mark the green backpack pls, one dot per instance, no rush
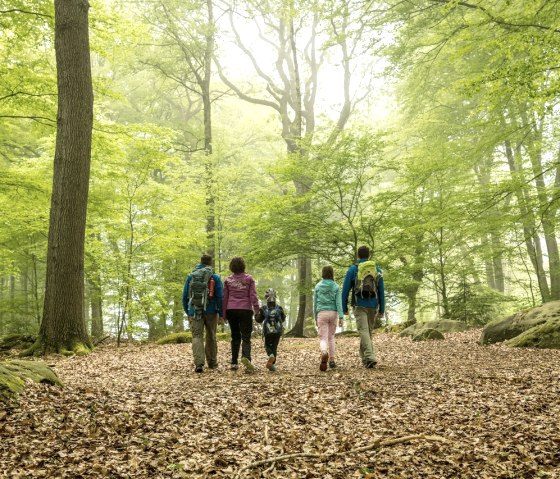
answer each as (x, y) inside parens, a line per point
(199, 290)
(367, 278)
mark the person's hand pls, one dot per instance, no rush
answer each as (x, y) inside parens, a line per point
(380, 315)
(340, 323)
(220, 320)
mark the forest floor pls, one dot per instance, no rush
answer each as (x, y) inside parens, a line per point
(143, 412)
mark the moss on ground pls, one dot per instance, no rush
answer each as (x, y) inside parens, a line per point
(16, 341)
(186, 337)
(13, 375)
(546, 336)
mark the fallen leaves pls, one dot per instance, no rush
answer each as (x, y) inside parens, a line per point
(143, 412)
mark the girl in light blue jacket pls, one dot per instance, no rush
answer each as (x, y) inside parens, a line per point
(327, 307)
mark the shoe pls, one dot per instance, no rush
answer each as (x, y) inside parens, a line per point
(332, 365)
(270, 362)
(214, 366)
(248, 365)
(234, 367)
(198, 369)
(324, 361)
(273, 368)
(371, 364)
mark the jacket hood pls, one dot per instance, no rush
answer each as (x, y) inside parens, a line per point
(327, 285)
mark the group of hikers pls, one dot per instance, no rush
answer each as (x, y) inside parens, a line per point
(207, 301)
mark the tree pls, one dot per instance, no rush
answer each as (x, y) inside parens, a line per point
(296, 32)
(63, 327)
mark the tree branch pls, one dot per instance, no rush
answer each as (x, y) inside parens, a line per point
(240, 94)
(27, 12)
(375, 445)
(498, 20)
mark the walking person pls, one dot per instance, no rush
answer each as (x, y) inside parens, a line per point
(239, 303)
(272, 317)
(202, 301)
(365, 280)
(327, 308)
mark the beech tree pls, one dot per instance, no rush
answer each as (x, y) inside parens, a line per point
(63, 327)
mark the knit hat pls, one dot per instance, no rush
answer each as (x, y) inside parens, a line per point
(270, 295)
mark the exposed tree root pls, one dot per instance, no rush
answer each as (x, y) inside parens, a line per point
(369, 447)
(39, 348)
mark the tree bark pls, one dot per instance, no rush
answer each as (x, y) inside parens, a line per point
(532, 240)
(63, 327)
(534, 142)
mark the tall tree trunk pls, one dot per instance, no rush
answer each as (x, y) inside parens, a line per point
(498, 263)
(532, 240)
(63, 326)
(534, 142)
(178, 318)
(204, 84)
(96, 298)
(2, 316)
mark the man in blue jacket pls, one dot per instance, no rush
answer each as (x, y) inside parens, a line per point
(202, 301)
(365, 280)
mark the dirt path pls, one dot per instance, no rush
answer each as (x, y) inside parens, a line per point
(143, 412)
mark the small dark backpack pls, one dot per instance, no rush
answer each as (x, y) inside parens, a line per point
(272, 323)
(199, 290)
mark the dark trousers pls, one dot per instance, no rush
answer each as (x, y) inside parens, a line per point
(241, 324)
(271, 344)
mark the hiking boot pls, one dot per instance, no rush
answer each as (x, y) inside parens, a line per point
(234, 367)
(214, 366)
(324, 361)
(198, 369)
(332, 364)
(248, 365)
(270, 362)
(273, 368)
(371, 364)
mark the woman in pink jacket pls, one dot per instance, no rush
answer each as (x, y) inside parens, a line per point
(238, 304)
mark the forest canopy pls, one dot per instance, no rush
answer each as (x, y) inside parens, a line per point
(291, 132)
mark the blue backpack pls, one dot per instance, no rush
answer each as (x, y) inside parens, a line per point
(272, 323)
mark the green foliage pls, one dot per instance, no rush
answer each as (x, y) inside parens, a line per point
(476, 304)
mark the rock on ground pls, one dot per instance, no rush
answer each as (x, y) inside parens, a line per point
(545, 335)
(512, 326)
(427, 334)
(442, 325)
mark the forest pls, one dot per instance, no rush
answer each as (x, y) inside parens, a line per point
(137, 136)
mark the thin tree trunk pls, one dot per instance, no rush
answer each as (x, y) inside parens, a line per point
(178, 318)
(63, 326)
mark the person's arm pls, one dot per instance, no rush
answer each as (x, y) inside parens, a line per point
(225, 299)
(347, 286)
(315, 304)
(218, 293)
(282, 314)
(186, 295)
(253, 295)
(381, 292)
(339, 303)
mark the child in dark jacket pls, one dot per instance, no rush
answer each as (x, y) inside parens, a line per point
(272, 318)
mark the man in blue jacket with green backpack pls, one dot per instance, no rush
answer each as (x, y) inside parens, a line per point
(365, 280)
